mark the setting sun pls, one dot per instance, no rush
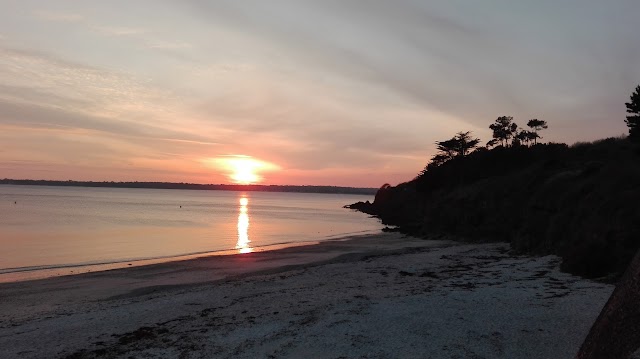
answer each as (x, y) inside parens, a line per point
(242, 169)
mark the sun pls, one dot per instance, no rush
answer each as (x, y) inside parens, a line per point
(241, 169)
(244, 171)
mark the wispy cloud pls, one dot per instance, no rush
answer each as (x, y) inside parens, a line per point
(47, 91)
(120, 30)
(424, 55)
(166, 45)
(55, 16)
(142, 34)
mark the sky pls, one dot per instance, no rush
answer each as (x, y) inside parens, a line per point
(331, 92)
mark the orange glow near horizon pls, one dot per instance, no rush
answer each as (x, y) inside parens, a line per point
(242, 169)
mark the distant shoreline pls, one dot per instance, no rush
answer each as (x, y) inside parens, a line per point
(195, 186)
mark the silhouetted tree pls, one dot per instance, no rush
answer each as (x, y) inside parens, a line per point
(533, 137)
(504, 129)
(465, 143)
(633, 120)
(447, 150)
(522, 137)
(438, 159)
(537, 125)
(491, 143)
(458, 146)
(526, 137)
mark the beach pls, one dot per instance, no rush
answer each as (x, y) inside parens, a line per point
(376, 296)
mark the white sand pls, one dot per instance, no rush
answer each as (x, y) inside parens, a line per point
(380, 296)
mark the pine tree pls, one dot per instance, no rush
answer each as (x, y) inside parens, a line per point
(537, 125)
(504, 129)
(633, 120)
(458, 146)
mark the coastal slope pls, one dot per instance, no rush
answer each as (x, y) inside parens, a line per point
(579, 202)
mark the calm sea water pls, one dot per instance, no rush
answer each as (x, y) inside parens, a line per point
(47, 228)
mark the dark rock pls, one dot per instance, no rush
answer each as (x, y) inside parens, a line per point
(616, 332)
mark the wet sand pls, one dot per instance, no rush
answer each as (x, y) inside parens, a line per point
(379, 296)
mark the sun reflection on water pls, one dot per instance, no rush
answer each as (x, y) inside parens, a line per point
(243, 244)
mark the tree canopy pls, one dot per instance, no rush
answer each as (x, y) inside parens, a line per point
(458, 146)
(633, 120)
(504, 129)
(536, 125)
(506, 133)
(524, 136)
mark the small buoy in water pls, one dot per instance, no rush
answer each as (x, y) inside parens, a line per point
(15, 202)
(180, 206)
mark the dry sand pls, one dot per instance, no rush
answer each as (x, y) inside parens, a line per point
(381, 296)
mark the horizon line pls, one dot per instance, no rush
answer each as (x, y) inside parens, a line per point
(181, 183)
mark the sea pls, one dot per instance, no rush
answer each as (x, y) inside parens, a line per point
(51, 231)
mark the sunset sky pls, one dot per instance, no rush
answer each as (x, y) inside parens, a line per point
(331, 92)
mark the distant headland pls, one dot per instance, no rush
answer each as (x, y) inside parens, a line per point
(195, 186)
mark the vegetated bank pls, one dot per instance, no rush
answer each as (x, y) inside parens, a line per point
(580, 202)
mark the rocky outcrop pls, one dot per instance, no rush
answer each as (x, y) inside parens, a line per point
(616, 333)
